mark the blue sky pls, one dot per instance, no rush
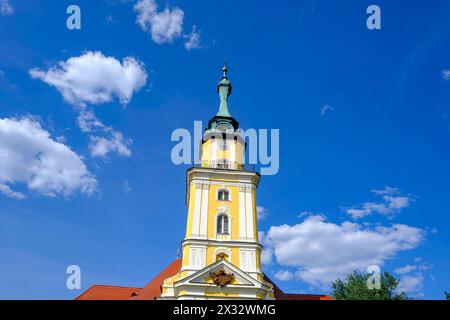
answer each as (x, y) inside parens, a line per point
(364, 121)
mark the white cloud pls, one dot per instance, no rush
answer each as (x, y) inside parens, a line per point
(406, 269)
(164, 26)
(305, 214)
(28, 155)
(6, 8)
(325, 109)
(446, 74)
(412, 277)
(193, 40)
(126, 186)
(106, 140)
(323, 251)
(261, 212)
(386, 191)
(393, 202)
(413, 267)
(88, 122)
(411, 284)
(285, 275)
(101, 146)
(145, 10)
(93, 78)
(266, 256)
(6, 190)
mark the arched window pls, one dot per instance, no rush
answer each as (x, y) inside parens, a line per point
(222, 224)
(223, 195)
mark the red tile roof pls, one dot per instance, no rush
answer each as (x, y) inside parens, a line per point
(295, 296)
(153, 289)
(99, 292)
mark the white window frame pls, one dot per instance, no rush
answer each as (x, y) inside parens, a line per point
(223, 236)
(225, 219)
(223, 189)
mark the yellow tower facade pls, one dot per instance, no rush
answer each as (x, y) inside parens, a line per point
(221, 253)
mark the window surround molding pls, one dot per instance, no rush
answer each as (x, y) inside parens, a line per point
(223, 188)
(223, 210)
(223, 250)
(224, 222)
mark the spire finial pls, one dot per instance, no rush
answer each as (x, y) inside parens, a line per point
(223, 120)
(224, 89)
(224, 69)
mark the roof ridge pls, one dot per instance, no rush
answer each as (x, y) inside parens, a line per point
(112, 286)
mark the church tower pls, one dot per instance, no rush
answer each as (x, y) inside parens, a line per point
(221, 253)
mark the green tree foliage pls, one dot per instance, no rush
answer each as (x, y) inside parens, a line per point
(447, 295)
(355, 288)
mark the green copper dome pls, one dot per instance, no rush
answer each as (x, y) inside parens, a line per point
(224, 89)
(223, 121)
